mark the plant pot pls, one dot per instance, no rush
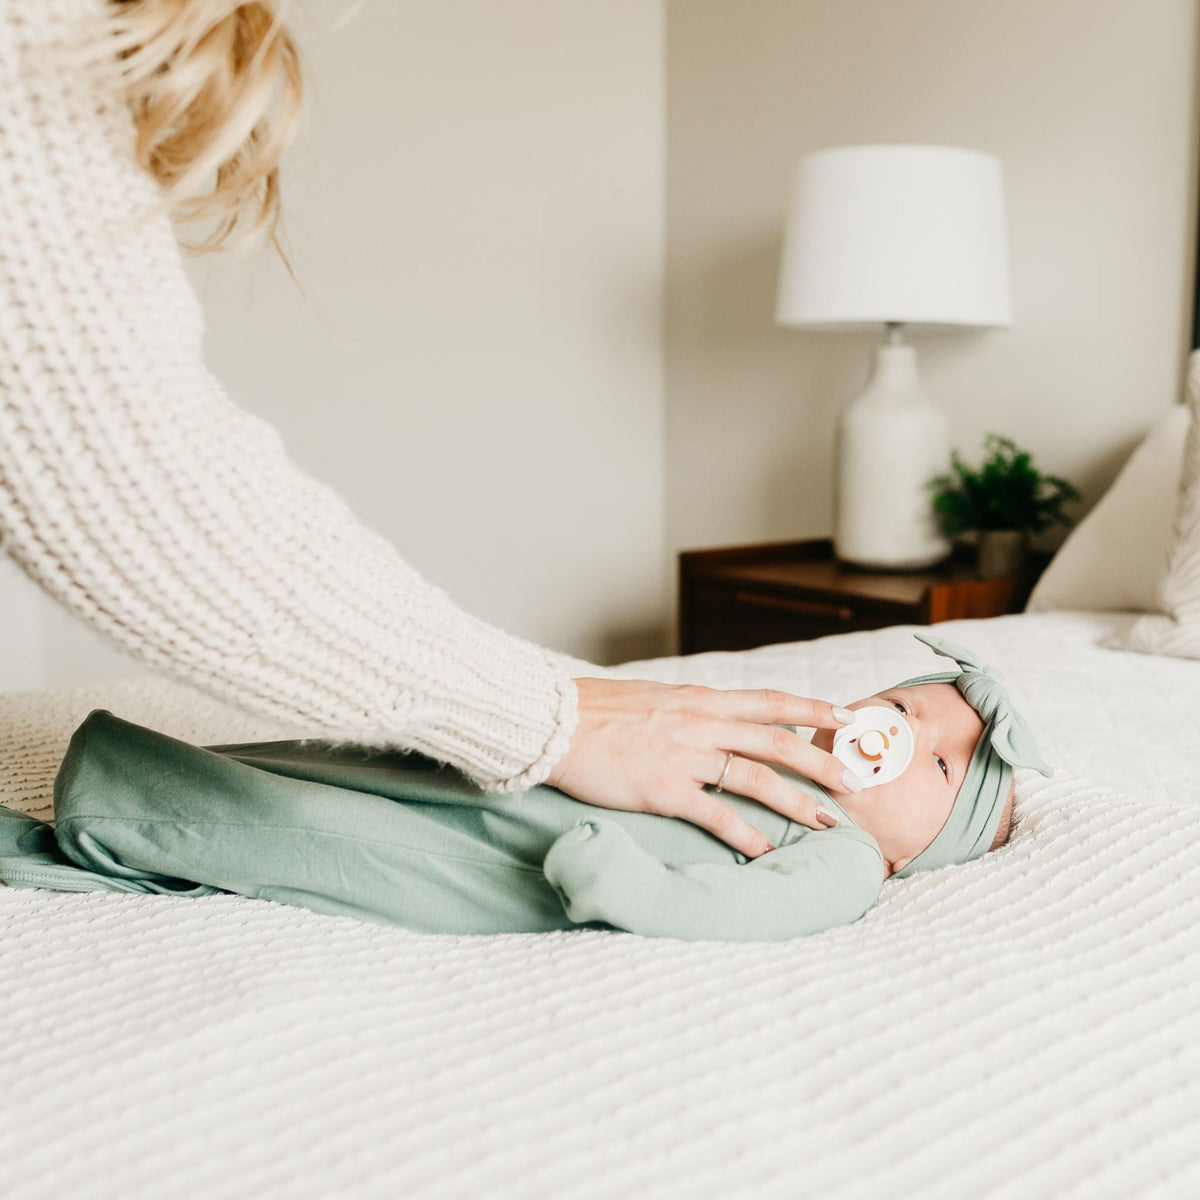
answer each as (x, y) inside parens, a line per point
(1002, 552)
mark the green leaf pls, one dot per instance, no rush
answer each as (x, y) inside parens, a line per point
(1006, 491)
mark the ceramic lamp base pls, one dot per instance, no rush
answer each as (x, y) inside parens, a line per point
(891, 440)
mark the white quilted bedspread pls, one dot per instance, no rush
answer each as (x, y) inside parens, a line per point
(1025, 1026)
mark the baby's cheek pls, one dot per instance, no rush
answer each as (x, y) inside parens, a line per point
(891, 802)
(914, 800)
(942, 800)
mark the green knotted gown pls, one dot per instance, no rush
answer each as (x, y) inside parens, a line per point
(397, 838)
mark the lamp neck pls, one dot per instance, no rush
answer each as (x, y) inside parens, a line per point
(895, 333)
(895, 369)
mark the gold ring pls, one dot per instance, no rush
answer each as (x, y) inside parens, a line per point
(725, 770)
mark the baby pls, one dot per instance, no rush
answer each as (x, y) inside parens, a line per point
(954, 800)
(395, 838)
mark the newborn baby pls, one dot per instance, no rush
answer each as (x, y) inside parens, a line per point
(954, 769)
(396, 838)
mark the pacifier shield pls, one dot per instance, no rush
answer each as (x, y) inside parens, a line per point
(877, 745)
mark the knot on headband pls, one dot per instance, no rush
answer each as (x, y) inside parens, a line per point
(983, 688)
(1006, 742)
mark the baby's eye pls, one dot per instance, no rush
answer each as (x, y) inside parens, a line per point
(900, 707)
(941, 762)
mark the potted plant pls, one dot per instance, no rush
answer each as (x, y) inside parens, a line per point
(1005, 500)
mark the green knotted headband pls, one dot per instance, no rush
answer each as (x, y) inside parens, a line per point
(1006, 742)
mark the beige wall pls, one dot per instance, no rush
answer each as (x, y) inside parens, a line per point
(477, 219)
(1091, 106)
(22, 649)
(477, 214)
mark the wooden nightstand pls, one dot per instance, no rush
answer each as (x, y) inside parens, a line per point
(744, 596)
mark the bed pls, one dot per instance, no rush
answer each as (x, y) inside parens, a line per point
(1027, 1025)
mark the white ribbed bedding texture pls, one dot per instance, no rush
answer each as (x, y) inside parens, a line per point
(1024, 1026)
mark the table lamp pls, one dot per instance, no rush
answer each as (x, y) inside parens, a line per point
(893, 235)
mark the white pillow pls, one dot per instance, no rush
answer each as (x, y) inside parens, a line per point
(1116, 556)
(1174, 626)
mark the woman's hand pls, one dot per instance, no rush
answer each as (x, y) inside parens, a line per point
(652, 747)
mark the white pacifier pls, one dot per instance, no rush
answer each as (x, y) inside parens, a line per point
(877, 746)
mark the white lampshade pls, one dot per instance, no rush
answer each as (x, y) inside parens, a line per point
(911, 234)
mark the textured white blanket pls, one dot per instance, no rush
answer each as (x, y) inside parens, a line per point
(1027, 1025)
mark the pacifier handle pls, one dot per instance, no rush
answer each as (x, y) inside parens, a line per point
(877, 745)
(873, 737)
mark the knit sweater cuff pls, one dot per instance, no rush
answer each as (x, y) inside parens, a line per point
(510, 723)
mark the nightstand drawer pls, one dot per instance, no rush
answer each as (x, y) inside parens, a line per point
(737, 618)
(736, 597)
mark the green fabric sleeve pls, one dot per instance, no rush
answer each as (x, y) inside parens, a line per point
(30, 857)
(824, 879)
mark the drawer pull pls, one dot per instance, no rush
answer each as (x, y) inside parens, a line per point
(807, 608)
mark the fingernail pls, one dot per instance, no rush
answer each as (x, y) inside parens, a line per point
(826, 818)
(844, 715)
(850, 781)
(768, 849)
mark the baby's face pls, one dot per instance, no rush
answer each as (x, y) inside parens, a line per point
(904, 816)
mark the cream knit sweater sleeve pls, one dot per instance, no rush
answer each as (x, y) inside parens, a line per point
(135, 491)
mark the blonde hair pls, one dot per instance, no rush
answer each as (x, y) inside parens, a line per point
(216, 90)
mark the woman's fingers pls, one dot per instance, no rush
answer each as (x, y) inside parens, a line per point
(774, 744)
(652, 747)
(759, 782)
(770, 707)
(706, 810)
